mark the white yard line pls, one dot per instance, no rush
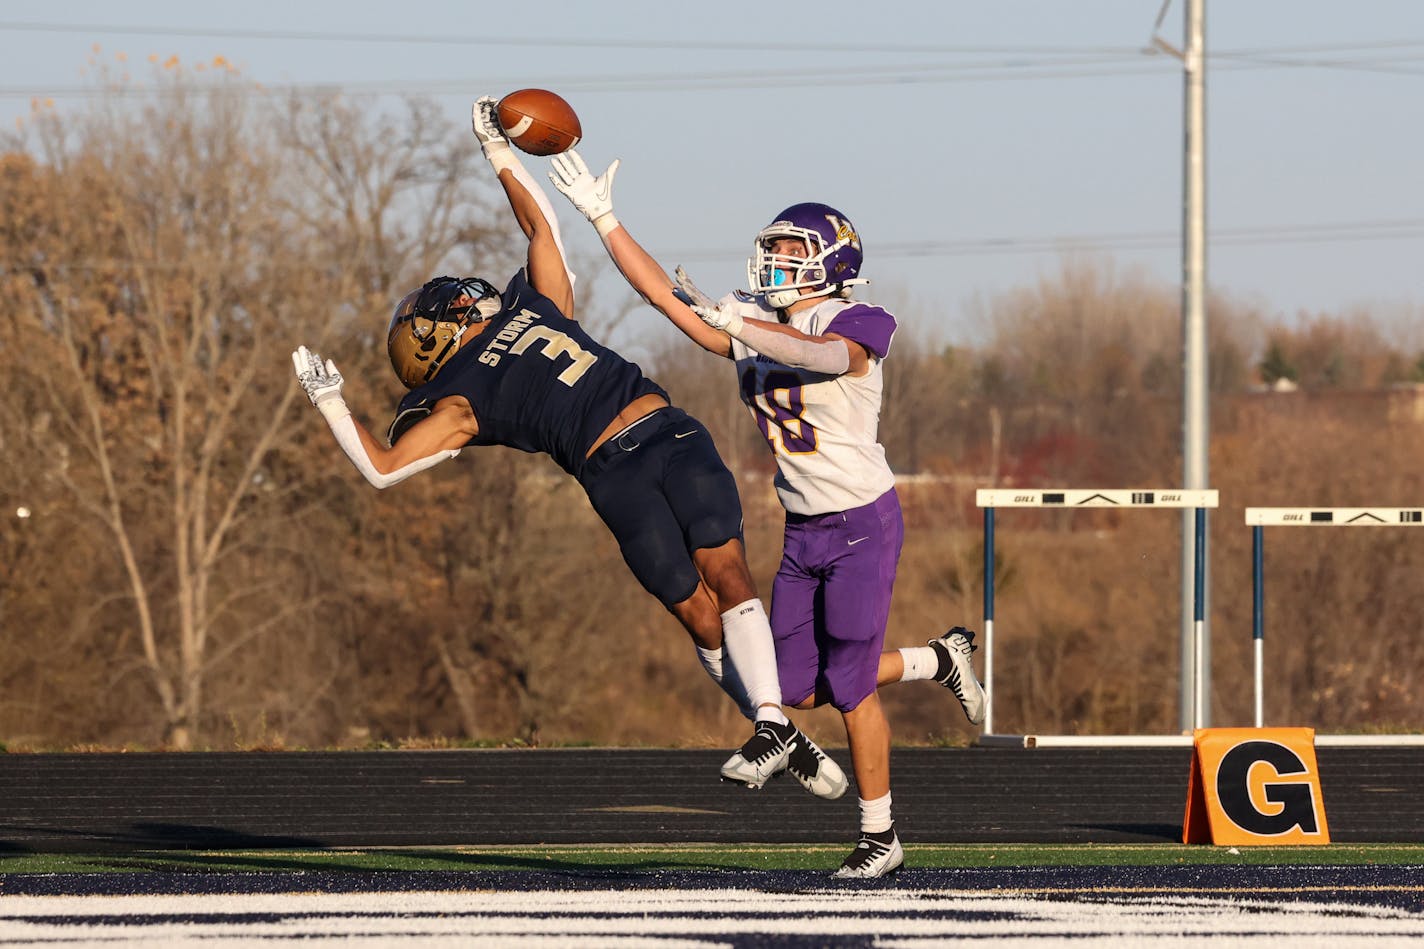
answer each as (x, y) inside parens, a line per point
(678, 918)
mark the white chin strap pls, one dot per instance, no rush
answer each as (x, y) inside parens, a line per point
(781, 299)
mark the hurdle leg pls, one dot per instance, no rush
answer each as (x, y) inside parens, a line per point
(988, 621)
(1258, 618)
(1199, 718)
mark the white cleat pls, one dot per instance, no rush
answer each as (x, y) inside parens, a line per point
(875, 856)
(764, 755)
(815, 769)
(956, 670)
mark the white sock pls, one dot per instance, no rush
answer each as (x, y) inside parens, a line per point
(921, 662)
(772, 713)
(719, 670)
(711, 660)
(875, 815)
(750, 659)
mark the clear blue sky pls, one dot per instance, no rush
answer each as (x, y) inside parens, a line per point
(971, 141)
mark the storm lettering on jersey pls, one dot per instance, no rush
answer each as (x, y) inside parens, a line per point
(517, 336)
(506, 337)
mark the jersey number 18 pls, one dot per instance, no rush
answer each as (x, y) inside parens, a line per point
(779, 404)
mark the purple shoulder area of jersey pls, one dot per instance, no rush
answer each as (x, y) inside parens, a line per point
(869, 325)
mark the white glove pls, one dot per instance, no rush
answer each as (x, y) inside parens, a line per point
(705, 307)
(321, 382)
(593, 197)
(485, 121)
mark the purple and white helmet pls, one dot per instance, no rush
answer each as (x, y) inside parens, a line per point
(832, 260)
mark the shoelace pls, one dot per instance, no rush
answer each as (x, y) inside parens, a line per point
(866, 852)
(952, 678)
(796, 764)
(764, 736)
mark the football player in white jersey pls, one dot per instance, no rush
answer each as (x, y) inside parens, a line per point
(809, 363)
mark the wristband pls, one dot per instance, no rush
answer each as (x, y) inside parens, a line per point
(734, 326)
(501, 156)
(605, 224)
(332, 407)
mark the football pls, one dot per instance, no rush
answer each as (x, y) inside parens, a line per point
(538, 121)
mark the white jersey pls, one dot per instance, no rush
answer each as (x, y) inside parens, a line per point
(823, 429)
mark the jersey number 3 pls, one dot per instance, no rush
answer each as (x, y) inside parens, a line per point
(557, 344)
(779, 404)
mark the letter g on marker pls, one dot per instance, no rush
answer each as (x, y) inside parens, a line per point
(1295, 799)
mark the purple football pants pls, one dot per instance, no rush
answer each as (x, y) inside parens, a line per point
(831, 600)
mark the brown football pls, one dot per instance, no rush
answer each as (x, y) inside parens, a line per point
(538, 121)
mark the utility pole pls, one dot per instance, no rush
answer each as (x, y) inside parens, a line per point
(1196, 627)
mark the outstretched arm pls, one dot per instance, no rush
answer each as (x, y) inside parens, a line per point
(548, 269)
(831, 353)
(429, 442)
(594, 199)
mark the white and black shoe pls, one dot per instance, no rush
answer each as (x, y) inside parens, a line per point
(815, 769)
(956, 671)
(876, 855)
(764, 755)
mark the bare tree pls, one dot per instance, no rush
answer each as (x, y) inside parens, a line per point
(169, 261)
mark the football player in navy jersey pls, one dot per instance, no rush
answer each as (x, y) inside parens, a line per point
(512, 367)
(808, 360)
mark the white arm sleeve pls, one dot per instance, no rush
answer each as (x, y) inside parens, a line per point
(829, 356)
(338, 416)
(506, 158)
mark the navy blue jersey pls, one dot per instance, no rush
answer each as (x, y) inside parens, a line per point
(535, 380)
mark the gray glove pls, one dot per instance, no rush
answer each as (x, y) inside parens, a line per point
(319, 380)
(704, 306)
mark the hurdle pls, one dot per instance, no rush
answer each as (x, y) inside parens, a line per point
(990, 499)
(1259, 518)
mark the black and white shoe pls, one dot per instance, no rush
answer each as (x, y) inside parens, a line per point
(815, 769)
(956, 671)
(876, 855)
(764, 755)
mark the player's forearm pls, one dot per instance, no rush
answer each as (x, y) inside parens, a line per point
(791, 347)
(380, 466)
(648, 279)
(530, 205)
(548, 262)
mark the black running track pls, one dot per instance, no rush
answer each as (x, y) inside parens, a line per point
(114, 802)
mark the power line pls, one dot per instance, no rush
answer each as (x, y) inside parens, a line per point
(1340, 232)
(870, 75)
(865, 75)
(1028, 63)
(448, 39)
(1383, 64)
(740, 44)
